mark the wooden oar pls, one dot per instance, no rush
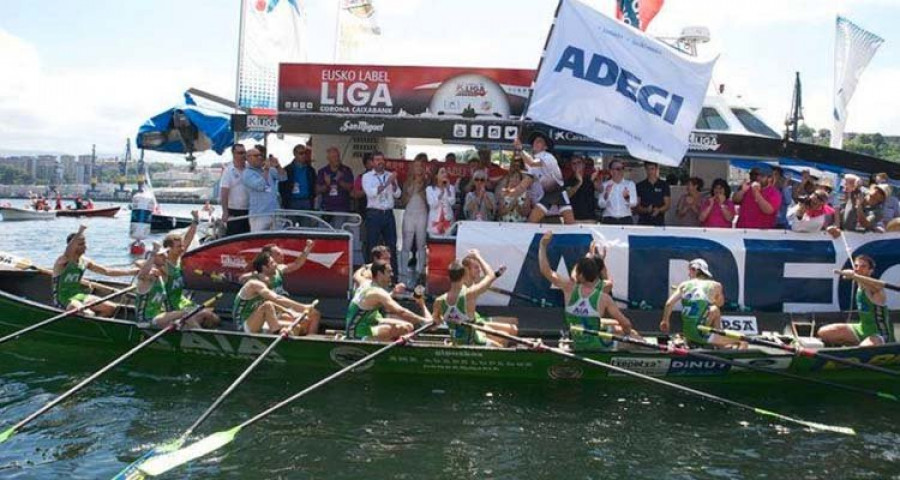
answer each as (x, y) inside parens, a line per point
(683, 352)
(802, 351)
(20, 263)
(163, 463)
(883, 284)
(65, 314)
(537, 346)
(131, 471)
(177, 323)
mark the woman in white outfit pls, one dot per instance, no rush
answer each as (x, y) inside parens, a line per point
(441, 198)
(415, 217)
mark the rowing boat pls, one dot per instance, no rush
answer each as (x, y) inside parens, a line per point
(431, 356)
(12, 214)
(89, 212)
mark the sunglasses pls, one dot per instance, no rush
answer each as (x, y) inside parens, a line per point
(479, 179)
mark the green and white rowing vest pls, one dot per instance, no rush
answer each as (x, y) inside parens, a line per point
(696, 299)
(175, 287)
(67, 285)
(359, 321)
(150, 304)
(582, 312)
(455, 315)
(244, 308)
(873, 319)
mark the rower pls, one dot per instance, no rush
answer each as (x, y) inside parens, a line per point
(256, 304)
(276, 281)
(585, 300)
(475, 272)
(874, 326)
(175, 245)
(365, 318)
(457, 306)
(701, 298)
(363, 275)
(152, 303)
(68, 271)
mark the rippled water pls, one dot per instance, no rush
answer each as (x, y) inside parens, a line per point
(389, 427)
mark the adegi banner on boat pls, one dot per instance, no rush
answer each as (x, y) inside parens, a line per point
(764, 270)
(608, 81)
(437, 92)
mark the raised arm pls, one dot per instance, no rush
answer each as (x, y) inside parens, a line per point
(391, 306)
(299, 261)
(489, 276)
(192, 230)
(73, 244)
(544, 264)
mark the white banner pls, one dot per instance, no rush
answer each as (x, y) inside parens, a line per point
(608, 81)
(853, 48)
(770, 270)
(357, 25)
(271, 32)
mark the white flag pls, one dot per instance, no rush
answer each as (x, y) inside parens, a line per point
(608, 81)
(853, 48)
(357, 25)
(271, 33)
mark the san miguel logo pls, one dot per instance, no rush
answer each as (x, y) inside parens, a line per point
(361, 126)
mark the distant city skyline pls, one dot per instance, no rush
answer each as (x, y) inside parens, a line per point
(92, 72)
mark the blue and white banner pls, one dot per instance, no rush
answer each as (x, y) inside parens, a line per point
(853, 48)
(271, 33)
(764, 270)
(608, 81)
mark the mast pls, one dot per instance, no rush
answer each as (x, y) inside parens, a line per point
(792, 124)
(240, 50)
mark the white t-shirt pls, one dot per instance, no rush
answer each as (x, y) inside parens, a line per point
(547, 177)
(238, 199)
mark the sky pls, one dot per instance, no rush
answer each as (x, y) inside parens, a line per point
(77, 73)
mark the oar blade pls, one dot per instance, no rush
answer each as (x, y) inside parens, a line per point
(813, 425)
(132, 471)
(8, 433)
(163, 463)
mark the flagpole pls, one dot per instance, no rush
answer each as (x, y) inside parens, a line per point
(237, 76)
(540, 64)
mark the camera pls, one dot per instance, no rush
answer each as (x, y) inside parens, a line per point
(805, 199)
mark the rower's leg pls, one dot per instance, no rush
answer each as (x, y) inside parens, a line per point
(838, 334)
(263, 315)
(500, 327)
(507, 320)
(165, 319)
(398, 327)
(383, 333)
(105, 309)
(872, 341)
(206, 318)
(720, 341)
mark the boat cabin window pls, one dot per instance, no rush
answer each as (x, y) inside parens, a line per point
(752, 123)
(710, 119)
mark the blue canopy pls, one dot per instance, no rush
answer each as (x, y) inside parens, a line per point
(187, 128)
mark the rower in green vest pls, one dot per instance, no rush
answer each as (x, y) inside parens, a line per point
(173, 274)
(874, 326)
(701, 298)
(256, 305)
(151, 304)
(276, 281)
(457, 306)
(585, 300)
(68, 289)
(366, 319)
(476, 271)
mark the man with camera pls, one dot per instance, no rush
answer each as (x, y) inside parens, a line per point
(811, 213)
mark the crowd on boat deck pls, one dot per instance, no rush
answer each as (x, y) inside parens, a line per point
(536, 186)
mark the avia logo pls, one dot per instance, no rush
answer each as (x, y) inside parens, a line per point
(361, 126)
(327, 260)
(233, 261)
(606, 72)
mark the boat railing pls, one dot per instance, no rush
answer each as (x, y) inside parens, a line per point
(285, 219)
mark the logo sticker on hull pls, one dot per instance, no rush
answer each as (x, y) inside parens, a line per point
(345, 356)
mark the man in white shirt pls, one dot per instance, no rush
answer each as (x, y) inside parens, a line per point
(232, 193)
(618, 196)
(544, 177)
(382, 189)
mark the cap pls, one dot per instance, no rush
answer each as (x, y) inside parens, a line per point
(885, 189)
(826, 182)
(700, 265)
(762, 169)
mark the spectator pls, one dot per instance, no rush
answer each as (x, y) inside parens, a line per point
(718, 210)
(618, 196)
(545, 180)
(334, 183)
(261, 179)
(581, 191)
(689, 205)
(654, 197)
(810, 213)
(233, 195)
(783, 186)
(441, 195)
(298, 190)
(480, 203)
(826, 185)
(758, 199)
(807, 186)
(513, 209)
(415, 215)
(852, 194)
(382, 190)
(358, 195)
(891, 209)
(864, 215)
(494, 172)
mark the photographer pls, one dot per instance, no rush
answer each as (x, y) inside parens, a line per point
(810, 213)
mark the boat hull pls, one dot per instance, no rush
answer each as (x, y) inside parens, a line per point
(94, 212)
(167, 223)
(11, 214)
(428, 357)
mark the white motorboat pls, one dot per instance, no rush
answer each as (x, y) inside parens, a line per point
(12, 214)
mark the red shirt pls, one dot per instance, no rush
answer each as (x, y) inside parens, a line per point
(752, 216)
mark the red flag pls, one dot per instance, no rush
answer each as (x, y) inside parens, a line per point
(638, 13)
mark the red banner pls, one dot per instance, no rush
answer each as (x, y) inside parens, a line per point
(405, 91)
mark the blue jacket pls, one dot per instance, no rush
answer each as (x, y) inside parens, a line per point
(262, 189)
